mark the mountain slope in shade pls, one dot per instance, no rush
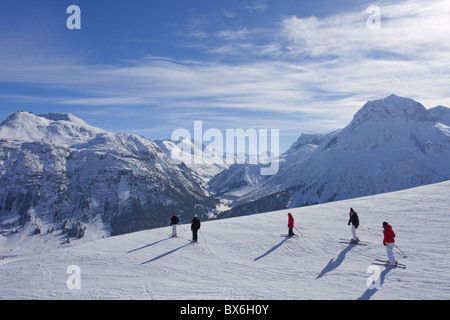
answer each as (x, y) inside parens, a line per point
(209, 164)
(240, 179)
(55, 168)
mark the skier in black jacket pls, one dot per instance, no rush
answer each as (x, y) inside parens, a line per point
(195, 226)
(354, 220)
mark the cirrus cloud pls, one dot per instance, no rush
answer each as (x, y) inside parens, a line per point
(314, 71)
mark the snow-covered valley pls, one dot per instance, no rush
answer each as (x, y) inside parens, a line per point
(246, 258)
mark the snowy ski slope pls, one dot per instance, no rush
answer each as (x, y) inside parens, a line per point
(246, 258)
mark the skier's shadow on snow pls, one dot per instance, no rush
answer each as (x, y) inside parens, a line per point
(335, 263)
(370, 292)
(167, 253)
(271, 249)
(149, 245)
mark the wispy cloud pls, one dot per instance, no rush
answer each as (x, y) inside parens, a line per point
(407, 54)
(407, 29)
(314, 71)
(229, 34)
(257, 6)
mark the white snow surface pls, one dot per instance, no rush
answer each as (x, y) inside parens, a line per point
(246, 258)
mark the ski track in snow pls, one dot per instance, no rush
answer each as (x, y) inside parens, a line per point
(245, 257)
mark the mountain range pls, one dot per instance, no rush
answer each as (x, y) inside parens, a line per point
(391, 144)
(56, 169)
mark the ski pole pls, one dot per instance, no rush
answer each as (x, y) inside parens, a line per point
(298, 231)
(404, 255)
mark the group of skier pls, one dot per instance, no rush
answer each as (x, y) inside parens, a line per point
(195, 226)
(388, 233)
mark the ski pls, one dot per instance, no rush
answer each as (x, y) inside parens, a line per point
(355, 243)
(288, 236)
(385, 261)
(390, 265)
(343, 239)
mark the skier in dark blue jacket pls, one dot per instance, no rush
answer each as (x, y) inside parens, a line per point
(195, 226)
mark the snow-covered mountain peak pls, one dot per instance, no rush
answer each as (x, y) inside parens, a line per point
(392, 107)
(53, 116)
(18, 117)
(57, 128)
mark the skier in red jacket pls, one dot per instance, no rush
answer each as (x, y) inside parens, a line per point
(290, 224)
(389, 242)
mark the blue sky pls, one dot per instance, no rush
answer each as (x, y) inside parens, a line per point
(150, 67)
